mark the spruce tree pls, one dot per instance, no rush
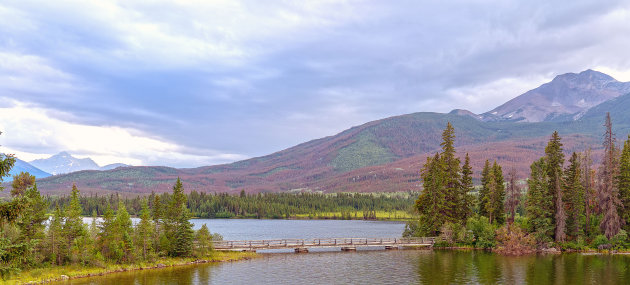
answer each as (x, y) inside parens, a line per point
(204, 241)
(123, 232)
(623, 184)
(495, 197)
(144, 231)
(176, 223)
(608, 194)
(539, 207)
(55, 238)
(465, 208)
(430, 204)
(573, 194)
(554, 158)
(483, 193)
(32, 221)
(450, 165)
(107, 242)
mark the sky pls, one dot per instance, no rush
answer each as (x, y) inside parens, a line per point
(194, 83)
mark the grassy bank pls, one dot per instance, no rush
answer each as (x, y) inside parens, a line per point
(47, 274)
(357, 215)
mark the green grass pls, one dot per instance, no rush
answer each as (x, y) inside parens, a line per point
(48, 274)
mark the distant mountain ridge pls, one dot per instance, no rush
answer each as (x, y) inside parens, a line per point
(64, 162)
(23, 166)
(382, 155)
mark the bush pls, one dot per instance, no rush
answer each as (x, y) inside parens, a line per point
(620, 240)
(578, 244)
(512, 240)
(482, 231)
(599, 240)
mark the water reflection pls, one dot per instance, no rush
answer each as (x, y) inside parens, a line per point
(390, 267)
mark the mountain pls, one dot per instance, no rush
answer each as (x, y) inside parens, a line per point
(23, 166)
(63, 162)
(113, 166)
(566, 97)
(382, 155)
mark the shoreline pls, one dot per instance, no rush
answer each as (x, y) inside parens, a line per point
(61, 273)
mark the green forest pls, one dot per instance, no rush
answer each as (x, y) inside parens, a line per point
(567, 204)
(30, 238)
(264, 205)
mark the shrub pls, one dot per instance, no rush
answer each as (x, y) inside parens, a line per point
(482, 231)
(512, 240)
(620, 240)
(599, 240)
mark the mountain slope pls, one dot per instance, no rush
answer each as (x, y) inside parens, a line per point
(382, 155)
(565, 98)
(23, 166)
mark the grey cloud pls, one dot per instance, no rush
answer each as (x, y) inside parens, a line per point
(274, 75)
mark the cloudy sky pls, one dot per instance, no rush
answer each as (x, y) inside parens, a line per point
(191, 83)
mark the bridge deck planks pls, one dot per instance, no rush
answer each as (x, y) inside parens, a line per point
(320, 243)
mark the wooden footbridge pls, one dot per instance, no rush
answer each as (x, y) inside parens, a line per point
(303, 245)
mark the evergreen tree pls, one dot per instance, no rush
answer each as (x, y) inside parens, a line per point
(588, 185)
(157, 223)
(107, 237)
(430, 203)
(608, 194)
(73, 227)
(554, 158)
(31, 222)
(483, 192)
(21, 182)
(495, 197)
(144, 231)
(204, 241)
(513, 195)
(450, 165)
(55, 237)
(123, 232)
(573, 194)
(539, 208)
(623, 184)
(31, 226)
(177, 225)
(466, 187)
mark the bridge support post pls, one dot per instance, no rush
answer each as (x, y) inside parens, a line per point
(301, 250)
(349, 248)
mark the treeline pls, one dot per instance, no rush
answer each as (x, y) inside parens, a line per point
(29, 238)
(263, 205)
(568, 204)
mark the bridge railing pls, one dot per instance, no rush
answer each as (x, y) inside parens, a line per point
(320, 242)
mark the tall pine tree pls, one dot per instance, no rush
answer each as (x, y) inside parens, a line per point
(485, 185)
(573, 194)
(554, 158)
(466, 186)
(431, 202)
(539, 208)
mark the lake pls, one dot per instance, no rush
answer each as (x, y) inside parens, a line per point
(372, 266)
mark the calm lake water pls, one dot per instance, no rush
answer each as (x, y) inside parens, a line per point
(373, 266)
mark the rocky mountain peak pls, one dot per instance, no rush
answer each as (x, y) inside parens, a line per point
(565, 98)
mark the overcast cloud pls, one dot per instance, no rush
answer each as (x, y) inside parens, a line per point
(191, 83)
